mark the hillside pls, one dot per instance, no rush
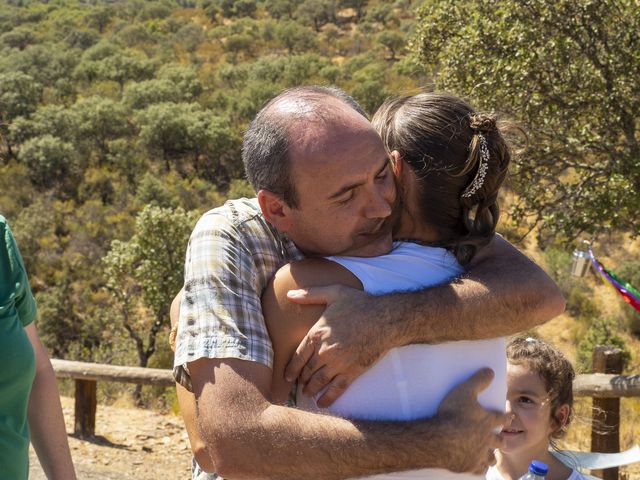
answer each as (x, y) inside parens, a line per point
(121, 122)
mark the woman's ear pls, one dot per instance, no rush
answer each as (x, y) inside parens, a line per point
(396, 163)
(561, 416)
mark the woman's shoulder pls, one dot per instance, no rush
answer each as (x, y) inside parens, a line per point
(425, 250)
(428, 257)
(313, 272)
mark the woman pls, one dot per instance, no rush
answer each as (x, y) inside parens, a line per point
(29, 399)
(450, 163)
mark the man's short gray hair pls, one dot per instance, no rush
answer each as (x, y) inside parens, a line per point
(266, 142)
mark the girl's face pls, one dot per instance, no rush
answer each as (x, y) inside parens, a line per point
(530, 425)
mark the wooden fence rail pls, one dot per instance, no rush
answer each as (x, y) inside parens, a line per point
(86, 376)
(602, 387)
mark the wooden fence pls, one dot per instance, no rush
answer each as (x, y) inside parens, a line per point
(86, 376)
(606, 388)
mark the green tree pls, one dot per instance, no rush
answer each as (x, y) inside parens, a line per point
(392, 40)
(568, 71)
(18, 38)
(230, 8)
(46, 63)
(281, 8)
(358, 5)
(140, 95)
(317, 12)
(133, 35)
(105, 61)
(50, 161)
(82, 39)
(19, 97)
(100, 120)
(180, 129)
(294, 37)
(382, 13)
(143, 274)
(239, 45)
(55, 120)
(99, 18)
(190, 36)
(602, 331)
(154, 10)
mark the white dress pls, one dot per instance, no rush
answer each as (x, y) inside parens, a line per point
(410, 382)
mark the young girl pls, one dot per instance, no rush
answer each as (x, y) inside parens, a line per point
(540, 404)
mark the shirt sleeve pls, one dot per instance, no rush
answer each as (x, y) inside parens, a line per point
(220, 313)
(14, 271)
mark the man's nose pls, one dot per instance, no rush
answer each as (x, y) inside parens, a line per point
(378, 205)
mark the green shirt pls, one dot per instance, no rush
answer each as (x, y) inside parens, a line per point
(17, 359)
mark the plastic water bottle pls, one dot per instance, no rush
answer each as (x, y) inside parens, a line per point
(537, 471)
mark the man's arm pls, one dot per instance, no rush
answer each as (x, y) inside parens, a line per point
(503, 293)
(249, 437)
(187, 402)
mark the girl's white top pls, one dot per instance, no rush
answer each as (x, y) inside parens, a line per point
(410, 382)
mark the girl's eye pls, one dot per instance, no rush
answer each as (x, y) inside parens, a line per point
(525, 400)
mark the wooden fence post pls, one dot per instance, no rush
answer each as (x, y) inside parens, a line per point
(85, 408)
(605, 429)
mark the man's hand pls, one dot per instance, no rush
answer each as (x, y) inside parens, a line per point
(340, 346)
(476, 430)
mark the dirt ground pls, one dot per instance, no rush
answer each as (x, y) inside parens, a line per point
(129, 444)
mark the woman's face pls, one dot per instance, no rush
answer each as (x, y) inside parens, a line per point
(529, 408)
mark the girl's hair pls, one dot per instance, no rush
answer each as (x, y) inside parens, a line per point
(552, 367)
(439, 136)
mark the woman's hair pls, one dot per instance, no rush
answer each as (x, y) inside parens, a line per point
(552, 367)
(441, 138)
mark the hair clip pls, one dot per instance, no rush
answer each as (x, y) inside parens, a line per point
(483, 166)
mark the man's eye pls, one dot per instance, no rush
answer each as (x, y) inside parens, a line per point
(382, 175)
(347, 199)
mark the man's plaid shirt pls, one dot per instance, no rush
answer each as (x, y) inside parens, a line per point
(233, 252)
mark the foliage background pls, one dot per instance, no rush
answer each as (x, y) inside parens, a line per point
(121, 122)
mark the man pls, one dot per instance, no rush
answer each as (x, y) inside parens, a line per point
(300, 154)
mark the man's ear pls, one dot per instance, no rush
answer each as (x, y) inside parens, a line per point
(275, 210)
(396, 163)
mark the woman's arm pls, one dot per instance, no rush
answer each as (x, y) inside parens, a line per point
(289, 322)
(46, 422)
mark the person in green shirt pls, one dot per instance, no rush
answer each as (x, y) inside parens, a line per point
(29, 399)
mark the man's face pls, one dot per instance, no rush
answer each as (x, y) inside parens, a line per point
(345, 187)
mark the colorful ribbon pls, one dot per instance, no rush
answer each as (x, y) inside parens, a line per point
(624, 288)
